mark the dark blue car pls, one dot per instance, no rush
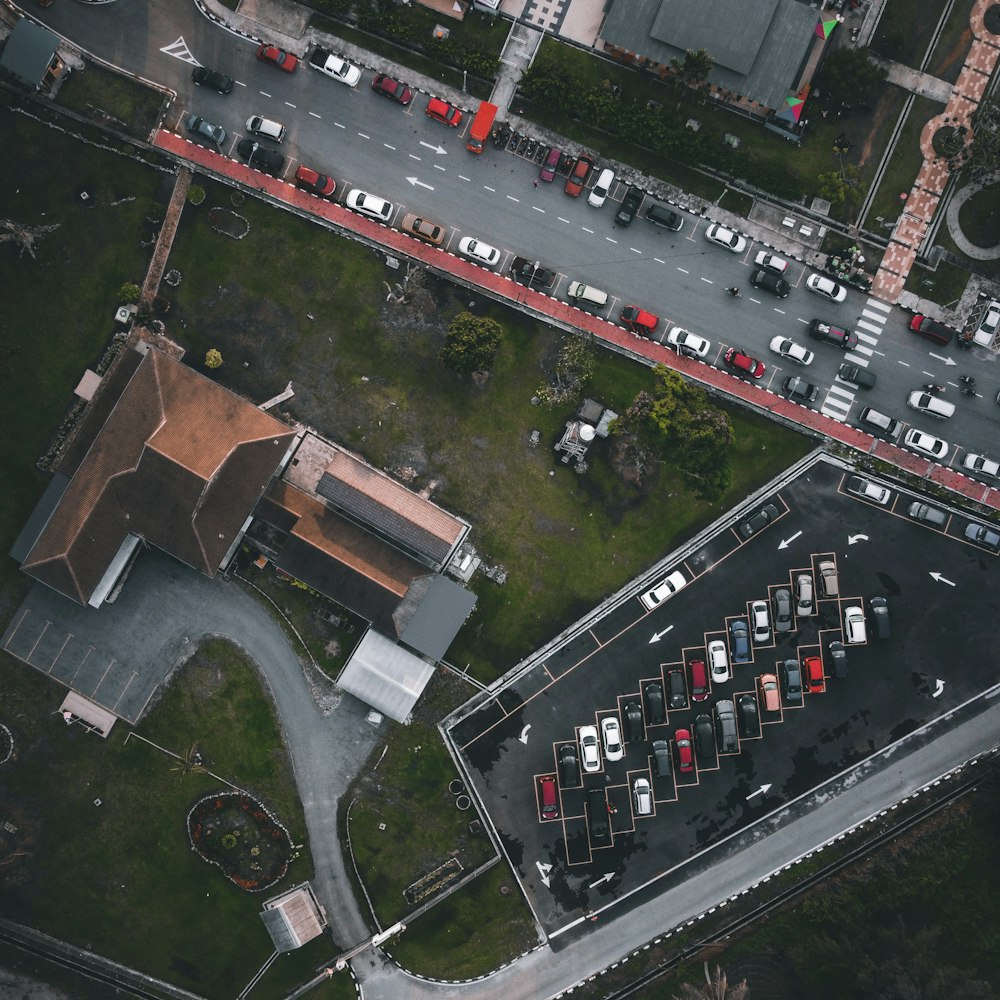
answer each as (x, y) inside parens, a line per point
(739, 634)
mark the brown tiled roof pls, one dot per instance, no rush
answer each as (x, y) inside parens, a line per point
(180, 461)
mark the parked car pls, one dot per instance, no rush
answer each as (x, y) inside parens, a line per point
(699, 679)
(772, 262)
(256, 155)
(723, 237)
(879, 609)
(925, 444)
(664, 589)
(370, 204)
(266, 128)
(578, 176)
(477, 250)
(661, 758)
(550, 165)
(855, 631)
(805, 606)
(277, 57)
(548, 796)
(759, 521)
(743, 364)
(204, 129)
(642, 797)
(704, 736)
(868, 490)
(442, 111)
(597, 817)
(530, 272)
(746, 706)
(676, 689)
(981, 465)
(334, 67)
(423, 229)
(927, 514)
(314, 182)
(629, 206)
(765, 278)
(725, 726)
(761, 622)
(665, 217)
(639, 321)
(799, 389)
(632, 717)
(984, 535)
(856, 375)
(205, 77)
(828, 578)
(792, 351)
(769, 695)
(719, 660)
(827, 287)
(611, 734)
(924, 326)
(846, 340)
(653, 695)
(602, 188)
(838, 658)
(739, 634)
(879, 423)
(569, 766)
(812, 667)
(590, 751)
(684, 750)
(989, 325)
(781, 602)
(396, 91)
(688, 344)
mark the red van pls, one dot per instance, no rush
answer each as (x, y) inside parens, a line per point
(550, 803)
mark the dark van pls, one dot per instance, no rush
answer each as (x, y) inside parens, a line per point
(660, 215)
(932, 329)
(597, 817)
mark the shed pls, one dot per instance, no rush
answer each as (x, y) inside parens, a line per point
(293, 918)
(30, 55)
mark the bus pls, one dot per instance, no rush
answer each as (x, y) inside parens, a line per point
(481, 126)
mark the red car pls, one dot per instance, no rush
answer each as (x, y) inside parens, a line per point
(699, 680)
(684, 750)
(315, 183)
(639, 321)
(277, 57)
(442, 111)
(743, 364)
(549, 799)
(812, 667)
(392, 89)
(578, 176)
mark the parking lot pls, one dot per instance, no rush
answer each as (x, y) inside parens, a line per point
(941, 595)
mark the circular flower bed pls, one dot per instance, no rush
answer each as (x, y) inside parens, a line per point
(6, 744)
(237, 833)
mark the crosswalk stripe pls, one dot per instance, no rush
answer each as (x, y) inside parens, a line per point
(833, 414)
(868, 338)
(859, 350)
(875, 304)
(868, 326)
(874, 316)
(835, 390)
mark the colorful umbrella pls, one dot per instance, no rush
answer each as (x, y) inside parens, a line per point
(792, 111)
(825, 28)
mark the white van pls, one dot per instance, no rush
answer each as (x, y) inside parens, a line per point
(585, 295)
(930, 404)
(599, 192)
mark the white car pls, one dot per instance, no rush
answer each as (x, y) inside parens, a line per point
(725, 238)
(643, 797)
(981, 465)
(805, 606)
(854, 626)
(794, 352)
(370, 204)
(590, 750)
(689, 344)
(827, 287)
(611, 733)
(925, 444)
(602, 187)
(336, 68)
(718, 659)
(760, 621)
(266, 128)
(868, 490)
(663, 590)
(479, 251)
(777, 264)
(990, 325)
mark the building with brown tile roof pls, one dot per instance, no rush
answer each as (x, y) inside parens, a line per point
(178, 463)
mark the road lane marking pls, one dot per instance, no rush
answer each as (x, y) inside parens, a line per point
(313, 113)
(387, 146)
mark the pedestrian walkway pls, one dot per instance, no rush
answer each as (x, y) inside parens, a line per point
(916, 82)
(840, 396)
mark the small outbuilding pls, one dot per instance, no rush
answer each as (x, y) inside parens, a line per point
(294, 918)
(31, 56)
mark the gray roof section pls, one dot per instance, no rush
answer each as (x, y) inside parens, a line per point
(28, 535)
(385, 676)
(758, 49)
(431, 614)
(29, 51)
(281, 933)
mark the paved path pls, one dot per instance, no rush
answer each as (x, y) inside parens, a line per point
(955, 203)
(916, 82)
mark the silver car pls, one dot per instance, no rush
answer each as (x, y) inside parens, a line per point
(804, 603)
(760, 621)
(205, 129)
(643, 797)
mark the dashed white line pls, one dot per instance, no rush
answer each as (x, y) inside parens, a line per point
(537, 209)
(462, 177)
(610, 240)
(633, 249)
(413, 156)
(439, 167)
(586, 230)
(264, 93)
(488, 188)
(338, 125)
(681, 269)
(387, 146)
(658, 261)
(905, 364)
(510, 197)
(314, 115)
(781, 311)
(363, 136)
(288, 104)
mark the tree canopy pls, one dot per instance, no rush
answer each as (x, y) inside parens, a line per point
(848, 79)
(471, 343)
(694, 68)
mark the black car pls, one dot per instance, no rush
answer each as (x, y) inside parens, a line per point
(569, 766)
(653, 693)
(256, 155)
(197, 125)
(860, 377)
(660, 215)
(739, 634)
(629, 206)
(678, 691)
(530, 272)
(746, 705)
(799, 389)
(205, 77)
(770, 282)
(759, 521)
(782, 604)
(846, 340)
(632, 720)
(661, 758)
(597, 817)
(838, 658)
(879, 608)
(791, 680)
(725, 726)
(704, 736)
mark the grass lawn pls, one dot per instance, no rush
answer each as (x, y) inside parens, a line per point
(953, 46)
(127, 862)
(943, 285)
(906, 28)
(979, 217)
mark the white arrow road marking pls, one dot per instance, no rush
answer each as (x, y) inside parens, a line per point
(788, 541)
(941, 579)
(938, 689)
(606, 877)
(763, 790)
(437, 149)
(180, 50)
(940, 357)
(416, 183)
(851, 539)
(657, 636)
(543, 871)
(524, 734)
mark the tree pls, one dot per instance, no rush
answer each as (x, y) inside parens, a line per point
(572, 371)
(848, 79)
(129, 293)
(471, 344)
(985, 152)
(836, 185)
(694, 68)
(715, 988)
(213, 358)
